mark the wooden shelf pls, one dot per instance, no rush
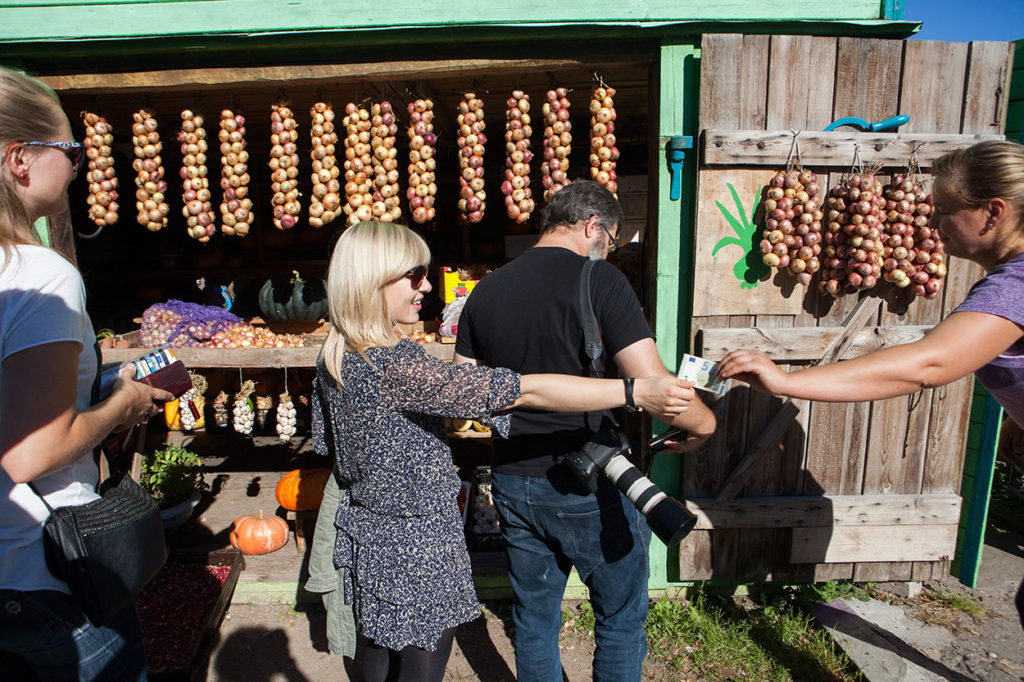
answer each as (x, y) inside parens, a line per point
(833, 148)
(252, 357)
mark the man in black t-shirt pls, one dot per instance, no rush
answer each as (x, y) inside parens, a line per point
(527, 316)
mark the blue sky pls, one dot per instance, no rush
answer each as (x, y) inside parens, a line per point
(960, 21)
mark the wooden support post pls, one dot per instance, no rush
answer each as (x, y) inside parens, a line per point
(300, 517)
(788, 411)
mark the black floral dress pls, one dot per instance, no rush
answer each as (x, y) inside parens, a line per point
(401, 533)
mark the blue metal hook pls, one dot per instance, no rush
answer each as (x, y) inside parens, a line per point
(864, 126)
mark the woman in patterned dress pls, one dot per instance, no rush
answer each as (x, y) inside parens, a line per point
(380, 413)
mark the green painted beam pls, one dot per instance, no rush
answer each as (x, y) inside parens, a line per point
(678, 94)
(974, 515)
(48, 20)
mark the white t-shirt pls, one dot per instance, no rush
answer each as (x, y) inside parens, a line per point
(42, 300)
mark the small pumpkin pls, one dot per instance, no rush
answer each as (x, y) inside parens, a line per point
(297, 302)
(302, 489)
(258, 534)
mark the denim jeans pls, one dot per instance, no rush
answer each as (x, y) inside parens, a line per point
(44, 635)
(552, 525)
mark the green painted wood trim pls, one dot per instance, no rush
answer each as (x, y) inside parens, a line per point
(47, 20)
(1015, 110)
(974, 514)
(313, 46)
(678, 94)
(892, 9)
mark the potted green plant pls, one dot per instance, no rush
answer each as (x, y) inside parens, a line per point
(173, 475)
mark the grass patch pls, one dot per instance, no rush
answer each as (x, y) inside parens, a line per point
(768, 638)
(957, 602)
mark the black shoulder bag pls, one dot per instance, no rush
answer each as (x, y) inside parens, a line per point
(108, 549)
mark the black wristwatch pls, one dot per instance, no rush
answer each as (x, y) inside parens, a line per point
(630, 405)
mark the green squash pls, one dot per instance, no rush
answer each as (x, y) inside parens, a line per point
(298, 302)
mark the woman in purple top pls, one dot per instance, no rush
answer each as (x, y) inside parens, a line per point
(979, 212)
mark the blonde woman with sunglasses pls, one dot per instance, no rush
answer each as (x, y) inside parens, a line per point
(379, 412)
(48, 427)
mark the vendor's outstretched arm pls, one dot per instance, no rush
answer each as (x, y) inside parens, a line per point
(962, 343)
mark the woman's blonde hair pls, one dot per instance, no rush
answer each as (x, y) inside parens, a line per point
(984, 171)
(29, 111)
(367, 257)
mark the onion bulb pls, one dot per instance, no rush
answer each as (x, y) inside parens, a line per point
(325, 204)
(150, 203)
(197, 207)
(603, 152)
(519, 202)
(236, 214)
(284, 166)
(99, 137)
(557, 142)
(422, 164)
(471, 141)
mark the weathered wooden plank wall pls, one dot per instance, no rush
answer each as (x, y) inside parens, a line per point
(904, 446)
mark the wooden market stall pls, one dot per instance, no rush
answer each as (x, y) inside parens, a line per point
(845, 478)
(862, 490)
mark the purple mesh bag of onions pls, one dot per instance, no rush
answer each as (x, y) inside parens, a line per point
(180, 324)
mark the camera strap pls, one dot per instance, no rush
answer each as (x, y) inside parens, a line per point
(593, 344)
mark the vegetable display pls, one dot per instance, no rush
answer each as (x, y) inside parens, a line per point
(102, 199)
(258, 534)
(242, 410)
(285, 417)
(152, 209)
(358, 165)
(422, 181)
(519, 202)
(855, 238)
(557, 142)
(914, 253)
(471, 141)
(603, 152)
(236, 214)
(195, 186)
(181, 324)
(302, 489)
(284, 166)
(386, 194)
(326, 200)
(792, 234)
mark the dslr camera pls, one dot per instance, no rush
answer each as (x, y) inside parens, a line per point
(606, 453)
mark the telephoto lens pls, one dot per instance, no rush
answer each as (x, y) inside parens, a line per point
(606, 452)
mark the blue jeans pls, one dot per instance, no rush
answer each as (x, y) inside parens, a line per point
(44, 635)
(552, 525)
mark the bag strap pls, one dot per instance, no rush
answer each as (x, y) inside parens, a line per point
(593, 344)
(101, 449)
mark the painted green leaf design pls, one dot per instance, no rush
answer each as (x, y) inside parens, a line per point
(749, 269)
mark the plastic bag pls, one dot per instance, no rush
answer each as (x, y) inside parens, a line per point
(449, 327)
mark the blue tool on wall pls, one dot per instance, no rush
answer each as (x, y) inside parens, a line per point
(865, 127)
(676, 152)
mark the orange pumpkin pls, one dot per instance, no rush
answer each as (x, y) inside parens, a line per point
(258, 534)
(302, 489)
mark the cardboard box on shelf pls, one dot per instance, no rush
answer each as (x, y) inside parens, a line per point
(457, 283)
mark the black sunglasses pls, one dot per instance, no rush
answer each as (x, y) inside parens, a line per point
(73, 150)
(416, 276)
